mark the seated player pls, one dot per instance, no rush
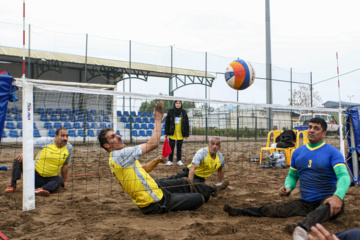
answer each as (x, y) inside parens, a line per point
(205, 162)
(54, 157)
(151, 196)
(324, 180)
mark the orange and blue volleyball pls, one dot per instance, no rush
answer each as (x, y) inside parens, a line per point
(240, 74)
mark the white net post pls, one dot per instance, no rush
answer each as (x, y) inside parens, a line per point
(114, 112)
(28, 147)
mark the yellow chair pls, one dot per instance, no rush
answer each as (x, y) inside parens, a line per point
(304, 134)
(268, 147)
(289, 151)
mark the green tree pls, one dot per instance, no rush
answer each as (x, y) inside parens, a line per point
(148, 106)
(302, 97)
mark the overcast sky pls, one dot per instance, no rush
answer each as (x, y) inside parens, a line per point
(305, 36)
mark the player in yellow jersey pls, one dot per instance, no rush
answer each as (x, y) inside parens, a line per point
(205, 162)
(151, 196)
(54, 157)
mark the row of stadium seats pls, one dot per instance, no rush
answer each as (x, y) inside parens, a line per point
(67, 111)
(143, 126)
(72, 118)
(56, 125)
(75, 133)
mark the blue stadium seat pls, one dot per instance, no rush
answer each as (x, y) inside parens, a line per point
(146, 120)
(80, 118)
(36, 133)
(126, 114)
(72, 118)
(44, 118)
(57, 125)
(68, 111)
(147, 114)
(133, 113)
(3, 135)
(53, 118)
(149, 133)
(8, 118)
(151, 126)
(89, 119)
(40, 111)
(13, 133)
(77, 112)
(50, 111)
(136, 126)
(144, 126)
(140, 114)
(97, 119)
(87, 125)
(102, 112)
(138, 120)
(51, 133)
(106, 119)
(135, 133)
(93, 112)
(127, 125)
(118, 133)
(87, 112)
(80, 133)
(68, 126)
(118, 113)
(94, 125)
(59, 111)
(142, 133)
(10, 125)
(77, 125)
(123, 119)
(110, 125)
(102, 125)
(19, 125)
(15, 110)
(34, 126)
(18, 118)
(72, 133)
(152, 120)
(63, 118)
(162, 132)
(163, 126)
(48, 125)
(90, 133)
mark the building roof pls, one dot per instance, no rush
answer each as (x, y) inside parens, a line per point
(154, 70)
(334, 104)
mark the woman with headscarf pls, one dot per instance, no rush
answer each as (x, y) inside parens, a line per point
(176, 128)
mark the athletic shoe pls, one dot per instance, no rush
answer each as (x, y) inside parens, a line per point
(180, 163)
(10, 188)
(41, 192)
(169, 163)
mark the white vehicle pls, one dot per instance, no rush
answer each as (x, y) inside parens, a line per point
(304, 118)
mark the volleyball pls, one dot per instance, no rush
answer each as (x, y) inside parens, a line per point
(240, 74)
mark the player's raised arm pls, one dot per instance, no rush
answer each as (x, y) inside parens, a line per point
(155, 137)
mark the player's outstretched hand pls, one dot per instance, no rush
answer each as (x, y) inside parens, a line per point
(335, 205)
(158, 111)
(321, 233)
(283, 191)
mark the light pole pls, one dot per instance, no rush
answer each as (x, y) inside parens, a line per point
(350, 97)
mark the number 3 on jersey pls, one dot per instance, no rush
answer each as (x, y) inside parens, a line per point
(309, 165)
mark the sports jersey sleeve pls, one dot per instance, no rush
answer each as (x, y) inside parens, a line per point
(200, 156)
(70, 149)
(43, 142)
(127, 156)
(222, 160)
(291, 179)
(343, 181)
